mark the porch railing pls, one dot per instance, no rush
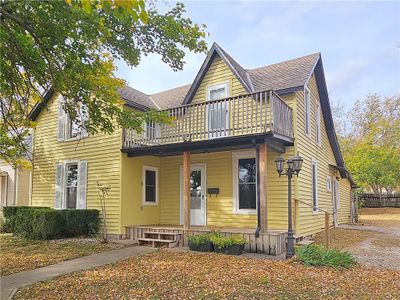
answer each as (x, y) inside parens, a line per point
(247, 114)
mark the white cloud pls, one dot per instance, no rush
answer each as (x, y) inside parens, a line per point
(347, 74)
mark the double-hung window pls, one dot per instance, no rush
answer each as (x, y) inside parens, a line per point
(70, 187)
(68, 128)
(314, 183)
(307, 109)
(150, 185)
(318, 124)
(245, 182)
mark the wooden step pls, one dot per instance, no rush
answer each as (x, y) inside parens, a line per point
(162, 233)
(305, 243)
(170, 243)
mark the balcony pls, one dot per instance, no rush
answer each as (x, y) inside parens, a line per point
(246, 115)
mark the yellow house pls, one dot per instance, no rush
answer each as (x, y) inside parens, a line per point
(213, 168)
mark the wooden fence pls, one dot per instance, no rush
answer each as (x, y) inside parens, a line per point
(372, 200)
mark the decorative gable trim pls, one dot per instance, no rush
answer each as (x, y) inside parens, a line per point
(233, 66)
(328, 120)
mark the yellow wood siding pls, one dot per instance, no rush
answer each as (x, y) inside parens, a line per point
(102, 153)
(306, 145)
(220, 210)
(218, 72)
(133, 212)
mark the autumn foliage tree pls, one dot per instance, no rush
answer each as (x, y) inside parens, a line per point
(369, 136)
(70, 47)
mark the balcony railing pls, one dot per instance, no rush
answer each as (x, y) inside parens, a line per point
(254, 113)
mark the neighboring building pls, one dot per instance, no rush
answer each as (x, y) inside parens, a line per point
(218, 122)
(14, 185)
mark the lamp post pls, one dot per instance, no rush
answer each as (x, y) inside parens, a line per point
(293, 168)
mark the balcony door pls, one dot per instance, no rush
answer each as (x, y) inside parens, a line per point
(217, 112)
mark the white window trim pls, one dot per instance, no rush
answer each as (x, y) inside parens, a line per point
(316, 210)
(318, 124)
(149, 168)
(65, 163)
(307, 111)
(235, 204)
(65, 183)
(218, 86)
(329, 184)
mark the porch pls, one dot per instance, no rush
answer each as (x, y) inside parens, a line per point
(271, 243)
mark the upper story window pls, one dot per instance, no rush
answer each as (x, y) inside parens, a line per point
(217, 112)
(150, 185)
(245, 182)
(71, 181)
(314, 182)
(307, 104)
(69, 129)
(318, 124)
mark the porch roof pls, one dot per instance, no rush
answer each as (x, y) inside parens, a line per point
(273, 140)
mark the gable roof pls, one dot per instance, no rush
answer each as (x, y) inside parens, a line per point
(240, 73)
(290, 74)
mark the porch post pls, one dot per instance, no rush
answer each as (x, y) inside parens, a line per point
(263, 187)
(186, 190)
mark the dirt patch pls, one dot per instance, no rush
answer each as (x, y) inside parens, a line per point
(387, 217)
(375, 241)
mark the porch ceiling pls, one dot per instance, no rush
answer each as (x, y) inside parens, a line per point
(272, 140)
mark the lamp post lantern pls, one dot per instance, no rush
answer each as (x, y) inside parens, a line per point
(293, 168)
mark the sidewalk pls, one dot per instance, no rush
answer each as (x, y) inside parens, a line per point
(11, 283)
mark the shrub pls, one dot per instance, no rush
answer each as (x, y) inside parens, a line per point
(319, 255)
(9, 214)
(80, 222)
(200, 239)
(224, 242)
(48, 223)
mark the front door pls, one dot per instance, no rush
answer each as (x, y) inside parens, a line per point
(197, 195)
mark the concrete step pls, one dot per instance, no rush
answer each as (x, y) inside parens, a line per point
(154, 242)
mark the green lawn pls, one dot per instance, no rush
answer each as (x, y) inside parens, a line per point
(183, 275)
(20, 255)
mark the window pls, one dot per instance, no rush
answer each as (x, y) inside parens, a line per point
(70, 188)
(314, 182)
(150, 185)
(318, 125)
(71, 129)
(329, 184)
(307, 110)
(245, 182)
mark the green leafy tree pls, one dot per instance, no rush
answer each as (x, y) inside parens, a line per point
(70, 47)
(371, 143)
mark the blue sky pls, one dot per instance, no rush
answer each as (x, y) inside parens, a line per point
(359, 42)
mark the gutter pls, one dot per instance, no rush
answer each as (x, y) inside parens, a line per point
(258, 229)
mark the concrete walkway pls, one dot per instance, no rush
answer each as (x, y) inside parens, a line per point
(11, 283)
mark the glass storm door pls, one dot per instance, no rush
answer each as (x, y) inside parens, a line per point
(197, 196)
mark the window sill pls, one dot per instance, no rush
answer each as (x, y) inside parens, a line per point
(245, 212)
(149, 203)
